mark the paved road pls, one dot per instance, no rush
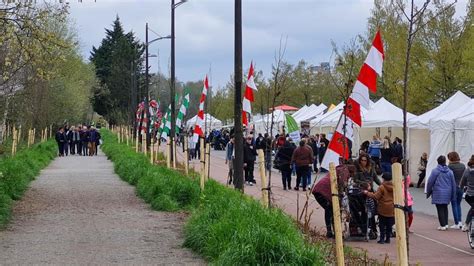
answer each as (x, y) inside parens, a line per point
(427, 245)
(79, 212)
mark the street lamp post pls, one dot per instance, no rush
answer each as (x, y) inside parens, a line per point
(147, 82)
(173, 78)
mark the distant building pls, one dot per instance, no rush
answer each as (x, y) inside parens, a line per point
(324, 67)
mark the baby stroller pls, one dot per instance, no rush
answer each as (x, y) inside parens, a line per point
(361, 210)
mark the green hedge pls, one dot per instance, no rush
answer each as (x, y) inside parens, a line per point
(17, 172)
(225, 227)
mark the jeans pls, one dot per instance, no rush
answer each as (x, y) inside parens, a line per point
(421, 178)
(327, 206)
(470, 201)
(385, 227)
(308, 177)
(386, 167)
(442, 210)
(456, 206)
(85, 149)
(302, 175)
(268, 160)
(286, 179)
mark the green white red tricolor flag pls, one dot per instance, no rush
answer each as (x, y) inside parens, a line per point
(198, 128)
(366, 81)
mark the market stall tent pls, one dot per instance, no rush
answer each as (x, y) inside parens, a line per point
(263, 125)
(453, 131)
(211, 122)
(311, 112)
(300, 111)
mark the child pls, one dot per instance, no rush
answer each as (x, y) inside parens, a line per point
(385, 209)
(408, 208)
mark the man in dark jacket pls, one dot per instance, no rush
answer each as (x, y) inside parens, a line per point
(303, 159)
(283, 157)
(60, 139)
(92, 141)
(84, 141)
(250, 155)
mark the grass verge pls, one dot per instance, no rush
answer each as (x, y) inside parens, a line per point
(225, 227)
(17, 172)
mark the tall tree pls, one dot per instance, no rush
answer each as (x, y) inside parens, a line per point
(117, 60)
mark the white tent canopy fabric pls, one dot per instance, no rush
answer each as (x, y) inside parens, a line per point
(450, 105)
(309, 113)
(384, 114)
(453, 131)
(209, 120)
(264, 124)
(300, 111)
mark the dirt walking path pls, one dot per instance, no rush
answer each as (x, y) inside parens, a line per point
(79, 212)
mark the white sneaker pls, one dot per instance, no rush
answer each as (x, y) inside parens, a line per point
(455, 226)
(465, 228)
(444, 228)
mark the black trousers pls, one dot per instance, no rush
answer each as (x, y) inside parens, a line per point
(421, 178)
(248, 170)
(61, 148)
(470, 213)
(286, 179)
(302, 172)
(85, 149)
(442, 214)
(79, 147)
(385, 227)
(72, 147)
(327, 206)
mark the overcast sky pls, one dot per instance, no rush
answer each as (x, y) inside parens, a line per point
(205, 31)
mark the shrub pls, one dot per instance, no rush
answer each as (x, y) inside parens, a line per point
(18, 171)
(226, 227)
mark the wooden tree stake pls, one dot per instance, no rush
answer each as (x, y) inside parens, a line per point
(186, 156)
(336, 216)
(203, 163)
(263, 177)
(399, 214)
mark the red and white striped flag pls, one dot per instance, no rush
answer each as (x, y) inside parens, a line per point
(366, 81)
(200, 116)
(248, 97)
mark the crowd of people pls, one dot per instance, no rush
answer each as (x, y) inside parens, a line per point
(447, 184)
(80, 140)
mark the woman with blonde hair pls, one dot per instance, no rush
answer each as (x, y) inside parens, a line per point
(386, 158)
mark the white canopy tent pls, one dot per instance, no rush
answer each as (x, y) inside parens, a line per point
(453, 131)
(209, 120)
(311, 112)
(450, 105)
(264, 124)
(300, 111)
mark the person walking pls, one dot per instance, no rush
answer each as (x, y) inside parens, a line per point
(467, 181)
(229, 159)
(283, 157)
(303, 159)
(250, 155)
(60, 139)
(267, 149)
(67, 138)
(458, 169)
(441, 188)
(92, 141)
(97, 141)
(84, 134)
(397, 150)
(75, 138)
(386, 153)
(422, 169)
(385, 208)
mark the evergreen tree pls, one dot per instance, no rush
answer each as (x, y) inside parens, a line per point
(118, 62)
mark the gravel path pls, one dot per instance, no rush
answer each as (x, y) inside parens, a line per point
(79, 212)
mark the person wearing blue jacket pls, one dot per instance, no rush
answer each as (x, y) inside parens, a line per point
(441, 188)
(374, 150)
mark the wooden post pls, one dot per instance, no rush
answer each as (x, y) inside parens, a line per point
(186, 156)
(46, 134)
(208, 159)
(202, 160)
(128, 135)
(50, 131)
(398, 201)
(14, 141)
(168, 154)
(336, 216)
(152, 152)
(175, 157)
(34, 136)
(19, 135)
(263, 177)
(136, 142)
(29, 138)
